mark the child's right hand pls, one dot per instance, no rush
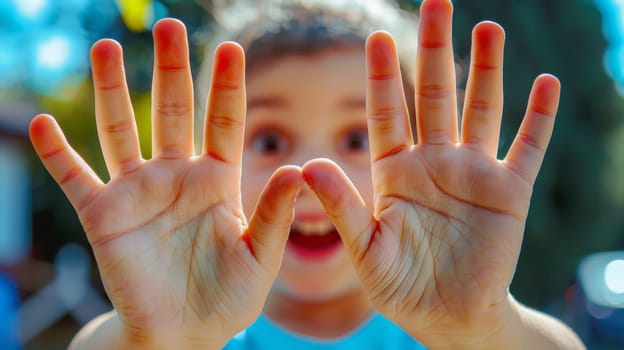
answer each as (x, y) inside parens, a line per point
(176, 255)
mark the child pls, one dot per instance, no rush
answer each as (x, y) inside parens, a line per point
(370, 240)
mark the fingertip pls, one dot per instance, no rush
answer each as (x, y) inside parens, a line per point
(548, 81)
(437, 6)
(289, 178)
(105, 49)
(488, 31)
(381, 54)
(171, 43)
(545, 94)
(327, 179)
(313, 170)
(44, 133)
(379, 37)
(435, 24)
(40, 124)
(229, 56)
(488, 45)
(167, 26)
(106, 56)
(231, 46)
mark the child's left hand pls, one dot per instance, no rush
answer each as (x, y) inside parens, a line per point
(437, 249)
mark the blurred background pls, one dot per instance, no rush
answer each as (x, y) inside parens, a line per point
(572, 262)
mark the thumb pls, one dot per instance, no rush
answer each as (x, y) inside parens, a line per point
(343, 203)
(269, 225)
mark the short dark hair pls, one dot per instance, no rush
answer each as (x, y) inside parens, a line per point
(269, 29)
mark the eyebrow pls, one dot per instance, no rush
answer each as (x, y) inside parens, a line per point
(353, 102)
(279, 102)
(267, 102)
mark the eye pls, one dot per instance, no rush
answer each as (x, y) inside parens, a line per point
(355, 140)
(269, 143)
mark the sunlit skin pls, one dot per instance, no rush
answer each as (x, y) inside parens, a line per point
(187, 258)
(289, 122)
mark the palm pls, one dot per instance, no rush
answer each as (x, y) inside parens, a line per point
(175, 251)
(438, 247)
(462, 245)
(170, 262)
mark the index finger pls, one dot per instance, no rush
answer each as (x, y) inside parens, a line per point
(172, 92)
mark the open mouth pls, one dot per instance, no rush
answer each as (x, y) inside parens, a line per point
(311, 243)
(314, 241)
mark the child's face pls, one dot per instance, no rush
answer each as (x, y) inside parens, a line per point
(301, 108)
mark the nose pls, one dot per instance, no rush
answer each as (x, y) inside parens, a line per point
(307, 201)
(312, 149)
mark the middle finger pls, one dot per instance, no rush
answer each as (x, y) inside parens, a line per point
(172, 92)
(436, 103)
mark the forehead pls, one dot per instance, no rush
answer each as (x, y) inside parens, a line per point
(317, 76)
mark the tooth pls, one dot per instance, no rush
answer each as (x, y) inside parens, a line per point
(313, 227)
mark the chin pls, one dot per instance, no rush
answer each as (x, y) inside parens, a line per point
(319, 284)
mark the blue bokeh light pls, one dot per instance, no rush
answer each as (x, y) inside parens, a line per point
(56, 57)
(11, 58)
(25, 14)
(613, 27)
(73, 6)
(46, 43)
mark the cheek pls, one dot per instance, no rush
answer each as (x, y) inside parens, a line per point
(253, 181)
(360, 175)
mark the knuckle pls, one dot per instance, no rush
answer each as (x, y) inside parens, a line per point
(531, 141)
(173, 109)
(435, 91)
(478, 105)
(224, 121)
(118, 127)
(382, 113)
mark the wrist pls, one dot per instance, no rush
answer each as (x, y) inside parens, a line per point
(108, 332)
(511, 325)
(494, 328)
(134, 342)
(179, 339)
(167, 344)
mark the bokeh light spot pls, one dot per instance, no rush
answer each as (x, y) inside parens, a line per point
(54, 52)
(614, 276)
(30, 8)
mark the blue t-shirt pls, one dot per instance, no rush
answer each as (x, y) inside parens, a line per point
(378, 333)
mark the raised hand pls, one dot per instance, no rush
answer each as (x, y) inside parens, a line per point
(177, 257)
(437, 249)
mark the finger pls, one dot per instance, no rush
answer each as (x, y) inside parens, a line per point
(388, 121)
(269, 225)
(172, 92)
(342, 202)
(114, 116)
(527, 151)
(436, 103)
(68, 169)
(483, 103)
(225, 113)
